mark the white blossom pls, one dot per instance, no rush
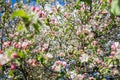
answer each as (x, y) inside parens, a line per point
(84, 58)
(4, 59)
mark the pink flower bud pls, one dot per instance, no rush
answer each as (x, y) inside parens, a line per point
(98, 61)
(41, 44)
(37, 9)
(113, 47)
(64, 64)
(33, 8)
(17, 45)
(94, 43)
(103, 63)
(36, 50)
(44, 49)
(34, 64)
(112, 53)
(34, 61)
(14, 44)
(14, 55)
(78, 32)
(104, 12)
(13, 66)
(110, 1)
(40, 14)
(1, 51)
(58, 62)
(111, 56)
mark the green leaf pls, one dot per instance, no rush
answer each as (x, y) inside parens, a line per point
(9, 53)
(77, 6)
(109, 61)
(47, 20)
(36, 27)
(11, 73)
(42, 60)
(115, 7)
(104, 0)
(106, 70)
(21, 55)
(39, 57)
(19, 13)
(21, 27)
(87, 1)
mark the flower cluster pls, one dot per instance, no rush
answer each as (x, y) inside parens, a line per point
(70, 42)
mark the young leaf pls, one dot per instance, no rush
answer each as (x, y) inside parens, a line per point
(21, 54)
(19, 13)
(36, 27)
(21, 28)
(115, 7)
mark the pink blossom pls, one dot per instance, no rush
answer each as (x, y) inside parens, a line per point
(15, 5)
(18, 45)
(58, 62)
(62, 63)
(97, 60)
(11, 35)
(114, 45)
(61, 54)
(100, 52)
(90, 78)
(25, 44)
(6, 44)
(52, 20)
(17, 33)
(33, 62)
(14, 43)
(81, 76)
(49, 55)
(94, 43)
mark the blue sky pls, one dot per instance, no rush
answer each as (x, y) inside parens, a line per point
(60, 1)
(33, 2)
